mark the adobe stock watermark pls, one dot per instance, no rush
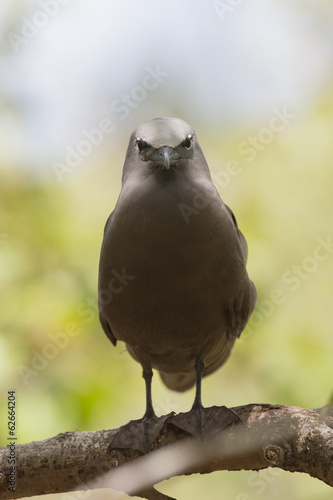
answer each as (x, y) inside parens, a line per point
(85, 490)
(291, 280)
(162, 406)
(224, 8)
(259, 481)
(31, 27)
(88, 311)
(121, 107)
(278, 122)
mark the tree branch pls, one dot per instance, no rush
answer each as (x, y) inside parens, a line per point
(291, 438)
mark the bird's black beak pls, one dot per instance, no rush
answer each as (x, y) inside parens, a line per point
(165, 157)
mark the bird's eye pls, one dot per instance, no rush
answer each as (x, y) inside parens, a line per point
(141, 144)
(188, 141)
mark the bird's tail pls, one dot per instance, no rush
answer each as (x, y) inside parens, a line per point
(179, 381)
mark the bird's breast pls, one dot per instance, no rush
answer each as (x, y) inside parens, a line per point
(183, 269)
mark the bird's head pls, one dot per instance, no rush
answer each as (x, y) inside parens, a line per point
(163, 145)
(164, 141)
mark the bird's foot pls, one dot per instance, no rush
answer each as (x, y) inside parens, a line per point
(139, 434)
(205, 422)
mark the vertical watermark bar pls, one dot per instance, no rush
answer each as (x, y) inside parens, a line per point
(11, 440)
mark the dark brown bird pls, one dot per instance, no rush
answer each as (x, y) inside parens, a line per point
(173, 283)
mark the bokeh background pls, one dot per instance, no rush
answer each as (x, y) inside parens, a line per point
(255, 80)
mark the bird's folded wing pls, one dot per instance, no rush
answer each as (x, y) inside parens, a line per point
(240, 234)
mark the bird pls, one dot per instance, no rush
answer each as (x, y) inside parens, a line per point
(173, 283)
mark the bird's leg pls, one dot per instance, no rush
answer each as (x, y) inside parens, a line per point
(199, 369)
(140, 434)
(149, 420)
(197, 407)
(203, 422)
(147, 374)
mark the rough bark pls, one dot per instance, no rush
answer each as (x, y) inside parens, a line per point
(291, 438)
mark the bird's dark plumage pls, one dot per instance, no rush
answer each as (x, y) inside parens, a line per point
(184, 294)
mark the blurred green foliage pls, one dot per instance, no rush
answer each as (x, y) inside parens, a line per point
(66, 373)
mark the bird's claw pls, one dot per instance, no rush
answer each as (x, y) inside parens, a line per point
(205, 422)
(139, 434)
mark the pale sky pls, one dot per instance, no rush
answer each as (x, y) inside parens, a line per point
(66, 66)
